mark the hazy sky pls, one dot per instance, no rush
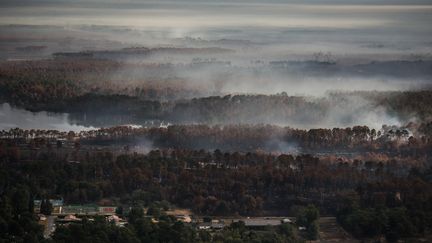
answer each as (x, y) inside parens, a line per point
(331, 25)
(283, 30)
(397, 14)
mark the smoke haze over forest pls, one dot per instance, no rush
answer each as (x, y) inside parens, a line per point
(215, 121)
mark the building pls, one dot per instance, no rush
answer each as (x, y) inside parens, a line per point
(261, 222)
(117, 220)
(211, 225)
(183, 218)
(87, 210)
(56, 205)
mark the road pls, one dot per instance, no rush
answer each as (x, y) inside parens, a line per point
(50, 226)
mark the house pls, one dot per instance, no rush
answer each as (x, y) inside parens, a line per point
(183, 218)
(217, 226)
(286, 221)
(79, 210)
(56, 205)
(211, 225)
(68, 219)
(54, 202)
(117, 220)
(183, 215)
(87, 210)
(261, 222)
(204, 226)
(107, 210)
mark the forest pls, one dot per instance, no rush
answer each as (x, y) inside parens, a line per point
(215, 121)
(413, 140)
(218, 183)
(152, 91)
(220, 155)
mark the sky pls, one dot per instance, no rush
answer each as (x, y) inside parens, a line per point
(413, 15)
(337, 26)
(331, 25)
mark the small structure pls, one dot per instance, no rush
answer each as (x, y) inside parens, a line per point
(68, 219)
(286, 221)
(107, 210)
(183, 218)
(56, 205)
(87, 210)
(42, 217)
(183, 215)
(301, 228)
(117, 220)
(214, 225)
(260, 222)
(204, 226)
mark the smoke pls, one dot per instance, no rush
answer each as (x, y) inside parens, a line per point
(270, 48)
(280, 146)
(142, 145)
(356, 110)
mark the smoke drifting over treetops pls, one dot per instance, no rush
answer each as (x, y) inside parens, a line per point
(160, 52)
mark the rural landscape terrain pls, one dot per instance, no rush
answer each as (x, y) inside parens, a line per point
(215, 121)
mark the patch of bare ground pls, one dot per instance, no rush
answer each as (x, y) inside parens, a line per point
(331, 231)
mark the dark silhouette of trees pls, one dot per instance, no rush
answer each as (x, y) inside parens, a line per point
(46, 207)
